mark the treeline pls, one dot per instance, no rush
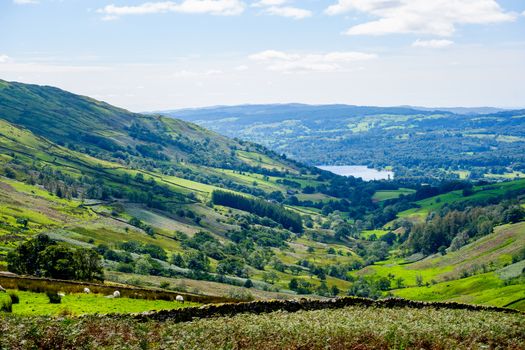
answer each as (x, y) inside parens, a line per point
(44, 257)
(288, 219)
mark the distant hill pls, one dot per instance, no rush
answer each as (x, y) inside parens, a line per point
(469, 144)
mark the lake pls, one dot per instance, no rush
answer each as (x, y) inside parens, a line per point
(361, 171)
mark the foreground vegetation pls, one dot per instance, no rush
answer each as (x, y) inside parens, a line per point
(348, 328)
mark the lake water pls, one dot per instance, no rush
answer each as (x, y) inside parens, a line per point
(361, 171)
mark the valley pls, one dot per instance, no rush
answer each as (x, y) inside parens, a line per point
(243, 222)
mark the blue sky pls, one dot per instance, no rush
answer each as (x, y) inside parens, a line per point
(171, 54)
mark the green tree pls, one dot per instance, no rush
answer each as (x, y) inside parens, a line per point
(57, 261)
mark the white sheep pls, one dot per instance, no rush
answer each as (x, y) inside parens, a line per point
(87, 291)
(60, 294)
(179, 298)
(116, 294)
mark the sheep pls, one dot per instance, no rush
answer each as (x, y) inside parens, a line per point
(116, 294)
(2, 290)
(180, 298)
(87, 291)
(61, 294)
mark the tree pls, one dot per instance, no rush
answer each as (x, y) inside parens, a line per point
(57, 262)
(197, 261)
(24, 260)
(231, 266)
(334, 290)
(88, 265)
(248, 283)
(293, 284)
(270, 277)
(178, 260)
(42, 256)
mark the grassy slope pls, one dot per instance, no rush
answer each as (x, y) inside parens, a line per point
(428, 205)
(443, 273)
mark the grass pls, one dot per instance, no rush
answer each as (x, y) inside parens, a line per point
(493, 251)
(431, 204)
(486, 289)
(379, 233)
(32, 304)
(380, 196)
(348, 328)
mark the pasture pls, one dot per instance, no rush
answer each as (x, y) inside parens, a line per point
(33, 304)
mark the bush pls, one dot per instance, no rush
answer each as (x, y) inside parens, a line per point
(164, 285)
(54, 298)
(14, 298)
(240, 294)
(6, 305)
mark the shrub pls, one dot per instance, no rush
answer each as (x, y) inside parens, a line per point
(14, 298)
(164, 285)
(240, 294)
(54, 298)
(6, 305)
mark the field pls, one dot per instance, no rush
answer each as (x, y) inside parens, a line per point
(348, 328)
(380, 196)
(32, 304)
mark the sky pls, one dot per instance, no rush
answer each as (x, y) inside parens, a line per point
(158, 55)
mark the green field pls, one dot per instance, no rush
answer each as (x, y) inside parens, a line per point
(32, 304)
(380, 196)
(486, 289)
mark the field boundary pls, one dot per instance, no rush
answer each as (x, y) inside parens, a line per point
(267, 306)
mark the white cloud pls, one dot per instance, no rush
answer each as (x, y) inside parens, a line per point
(291, 62)
(263, 3)
(288, 11)
(273, 55)
(432, 44)
(437, 17)
(4, 59)
(25, 2)
(213, 7)
(277, 8)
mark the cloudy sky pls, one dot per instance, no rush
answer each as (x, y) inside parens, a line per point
(185, 53)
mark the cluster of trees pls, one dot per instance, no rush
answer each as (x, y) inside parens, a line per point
(454, 228)
(301, 286)
(44, 257)
(260, 207)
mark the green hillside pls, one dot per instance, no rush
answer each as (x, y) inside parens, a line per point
(167, 204)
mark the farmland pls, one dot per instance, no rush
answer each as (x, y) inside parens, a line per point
(33, 304)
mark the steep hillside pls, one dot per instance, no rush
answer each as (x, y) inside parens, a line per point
(466, 145)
